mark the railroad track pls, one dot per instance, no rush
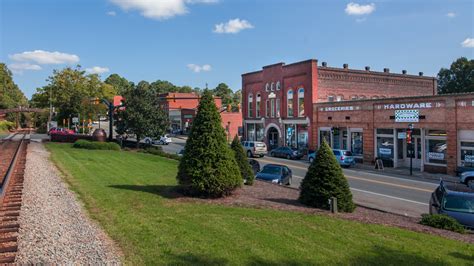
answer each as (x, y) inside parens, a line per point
(12, 168)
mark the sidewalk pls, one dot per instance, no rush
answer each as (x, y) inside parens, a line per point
(404, 172)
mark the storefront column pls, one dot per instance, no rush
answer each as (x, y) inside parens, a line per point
(423, 153)
(349, 139)
(395, 148)
(452, 136)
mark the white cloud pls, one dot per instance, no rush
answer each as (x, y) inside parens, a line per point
(451, 15)
(358, 10)
(468, 43)
(111, 13)
(159, 9)
(232, 26)
(45, 57)
(20, 67)
(197, 68)
(97, 70)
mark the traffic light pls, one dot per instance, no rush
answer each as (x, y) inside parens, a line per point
(408, 136)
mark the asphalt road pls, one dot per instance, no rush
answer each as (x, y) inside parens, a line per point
(403, 196)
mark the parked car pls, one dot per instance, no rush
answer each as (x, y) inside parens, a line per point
(311, 156)
(60, 131)
(254, 148)
(164, 140)
(454, 200)
(181, 152)
(255, 166)
(467, 178)
(286, 152)
(344, 157)
(275, 173)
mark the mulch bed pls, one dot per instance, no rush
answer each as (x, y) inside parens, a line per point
(272, 196)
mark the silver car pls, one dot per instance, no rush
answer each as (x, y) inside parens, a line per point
(467, 178)
(254, 148)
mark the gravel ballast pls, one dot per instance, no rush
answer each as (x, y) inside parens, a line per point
(54, 227)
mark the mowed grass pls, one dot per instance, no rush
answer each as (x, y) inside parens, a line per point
(129, 194)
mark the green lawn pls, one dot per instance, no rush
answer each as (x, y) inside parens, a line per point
(131, 195)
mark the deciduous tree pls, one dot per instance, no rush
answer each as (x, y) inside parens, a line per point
(458, 78)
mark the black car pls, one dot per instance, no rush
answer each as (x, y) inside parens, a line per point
(455, 200)
(276, 173)
(286, 152)
(255, 166)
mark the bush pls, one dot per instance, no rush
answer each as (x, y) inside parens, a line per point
(159, 151)
(242, 161)
(442, 221)
(92, 145)
(6, 125)
(324, 180)
(208, 167)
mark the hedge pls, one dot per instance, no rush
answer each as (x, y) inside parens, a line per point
(159, 151)
(91, 145)
(442, 221)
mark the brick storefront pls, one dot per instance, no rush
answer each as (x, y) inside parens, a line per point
(443, 137)
(277, 101)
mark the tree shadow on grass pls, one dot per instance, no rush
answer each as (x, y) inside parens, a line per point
(287, 201)
(169, 192)
(195, 259)
(462, 256)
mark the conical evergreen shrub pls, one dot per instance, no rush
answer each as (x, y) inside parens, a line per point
(324, 180)
(208, 167)
(242, 161)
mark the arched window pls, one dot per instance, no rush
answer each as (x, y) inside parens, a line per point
(340, 98)
(362, 97)
(267, 87)
(257, 106)
(289, 102)
(300, 102)
(354, 97)
(278, 86)
(375, 97)
(330, 98)
(272, 88)
(250, 105)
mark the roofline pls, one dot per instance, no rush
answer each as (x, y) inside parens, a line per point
(402, 98)
(360, 71)
(282, 64)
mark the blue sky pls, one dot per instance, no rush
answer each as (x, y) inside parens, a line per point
(191, 42)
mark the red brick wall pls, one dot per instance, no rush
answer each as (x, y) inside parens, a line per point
(235, 120)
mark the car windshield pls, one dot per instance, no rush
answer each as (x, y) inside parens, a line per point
(260, 144)
(457, 203)
(348, 153)
(271, 169)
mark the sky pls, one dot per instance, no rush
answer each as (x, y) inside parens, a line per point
(194, 42)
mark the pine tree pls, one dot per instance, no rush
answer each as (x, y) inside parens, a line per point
(242, 161)
(208, 167)
(324, 180)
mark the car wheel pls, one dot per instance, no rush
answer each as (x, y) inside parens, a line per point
(311, 159)
(288, 157)
(470, 183)
(249, 154)
(148, 142)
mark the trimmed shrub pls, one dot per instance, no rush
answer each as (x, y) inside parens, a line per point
(442, 221)
(324, 180)
(159, 151)
(208, 167)
(92, 145)
(242, 161)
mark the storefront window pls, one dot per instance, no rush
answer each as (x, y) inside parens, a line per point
(300, 102)
(436, 151)
(356, 143)
(325, 135)
(386, 131)
(250, 131)
(250, 105)
(260, 131)
(467, 153)
(302, 137)
(277, 107)
(290, 131)
(272, 107)
(385, 149)
(257, 108)
(289, 104)
(336, 138)
(267, 108)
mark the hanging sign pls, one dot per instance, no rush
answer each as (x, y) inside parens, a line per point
(469, 158)
(407, 116)
(385, 151)
(402, 135)
(436, 155)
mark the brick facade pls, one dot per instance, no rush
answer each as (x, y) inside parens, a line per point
(447, 120)
(278, 127)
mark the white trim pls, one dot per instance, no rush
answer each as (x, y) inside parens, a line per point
(261, 121)
(295, 121)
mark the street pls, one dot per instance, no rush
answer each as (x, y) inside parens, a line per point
(392, 194)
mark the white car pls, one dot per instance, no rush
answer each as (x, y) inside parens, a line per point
(164, 140)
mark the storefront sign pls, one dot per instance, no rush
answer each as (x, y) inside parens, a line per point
(385, 151)
(407, 115)
(407, 106)
(436, 155)
(338, 108)
(469, 158)
(402, 135)
(188, 116)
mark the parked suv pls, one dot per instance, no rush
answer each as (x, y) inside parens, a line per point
(467, 178)
(344, 157)
(454, 200)
(254, 148)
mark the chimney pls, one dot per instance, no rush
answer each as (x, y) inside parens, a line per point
(420, 74)
(325, 64)
(386, 70)
(345, 66)
(367, 68)
(404, 72)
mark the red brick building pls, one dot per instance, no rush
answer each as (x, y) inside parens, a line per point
(443, 134)
(278, 101)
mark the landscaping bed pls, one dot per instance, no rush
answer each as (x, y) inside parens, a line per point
(134, 198)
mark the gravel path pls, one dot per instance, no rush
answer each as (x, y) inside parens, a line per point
(54, 228)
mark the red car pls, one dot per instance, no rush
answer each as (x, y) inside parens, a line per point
(60, 131)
